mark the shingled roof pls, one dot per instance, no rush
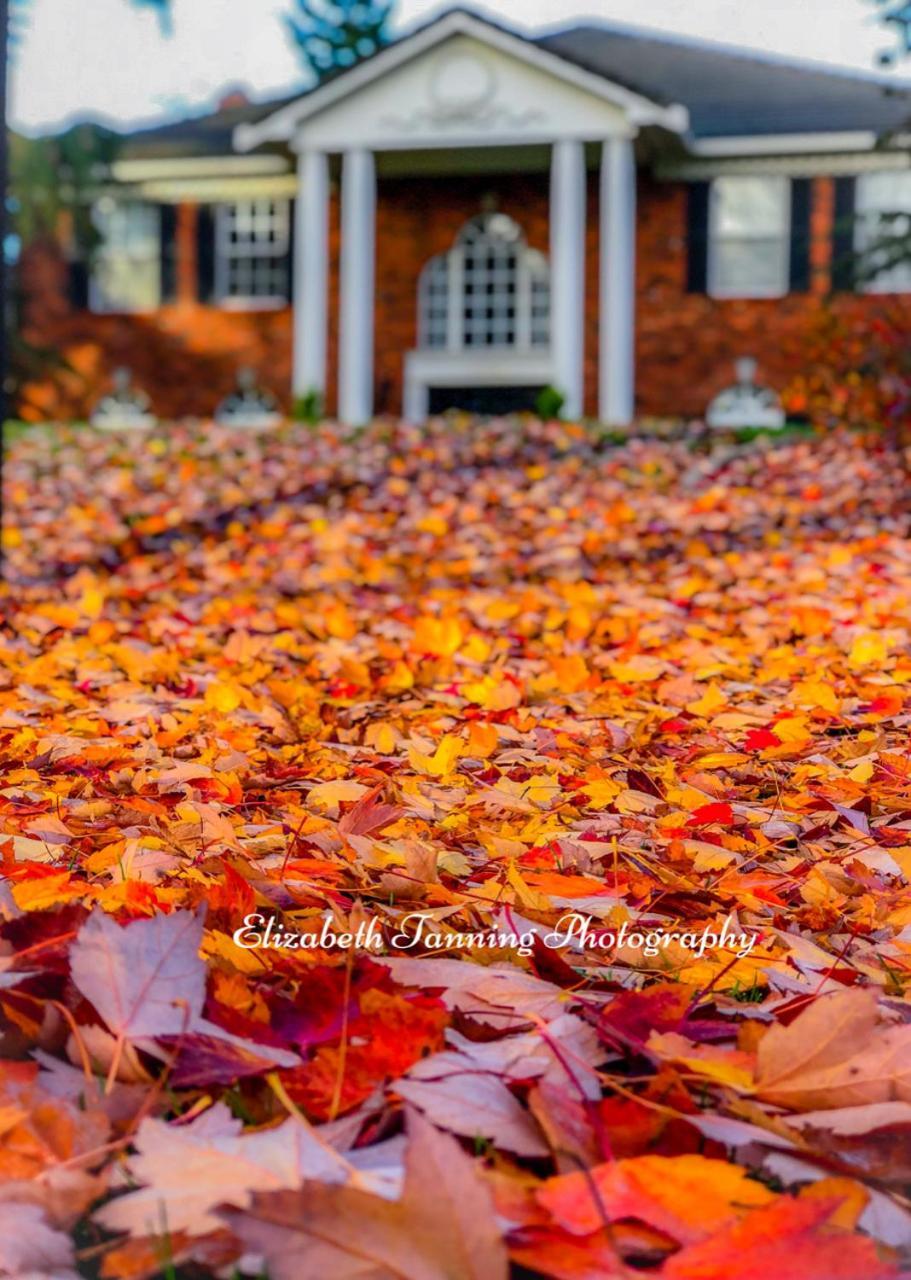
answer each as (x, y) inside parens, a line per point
(728, 92)
(204, 135)
(733, 92)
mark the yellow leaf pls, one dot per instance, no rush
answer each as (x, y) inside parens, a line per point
(442, 760)
(49, 891)
(862, 772)
(639, 670)
(571, 673)
(328, 795)
(813, 693)
(712, 700)
(339, 623)
(383, 739)
(868, 650)
(792, 729)
(91, 602)
(530, 898)
(433, 523)
(727, 1066)
(493, 695)
(601, 793)
(399, 679)
(439, 637)
(223, 696)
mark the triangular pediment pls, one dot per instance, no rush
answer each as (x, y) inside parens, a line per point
(459, 81)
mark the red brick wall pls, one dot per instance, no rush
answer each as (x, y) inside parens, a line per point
(186, 355)
(686, 342)
(416, 219)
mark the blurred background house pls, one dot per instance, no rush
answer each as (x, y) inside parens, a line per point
(464, 217)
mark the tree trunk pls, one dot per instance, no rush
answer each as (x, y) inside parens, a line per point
(4, 275)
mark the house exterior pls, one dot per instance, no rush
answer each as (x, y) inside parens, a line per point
(471, 215)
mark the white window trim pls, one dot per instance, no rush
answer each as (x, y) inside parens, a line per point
(223, 256)
(781, 290)
(873, 286)
(96, 300)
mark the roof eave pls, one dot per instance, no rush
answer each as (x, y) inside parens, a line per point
(777, 144)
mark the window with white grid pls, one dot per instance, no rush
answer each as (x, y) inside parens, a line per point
(435, 302)
(126, 267)
(489, 290)
(251, 260)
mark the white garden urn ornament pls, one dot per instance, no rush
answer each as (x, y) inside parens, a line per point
(125, 409)
(745, 404)
(249, 406)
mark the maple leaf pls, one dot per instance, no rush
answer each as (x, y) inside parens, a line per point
(688, 1197)
(571, 678)
(186, 1170)
(781, 1240)
(474, 1104)
(442, 1227)
(367, 815)
(30, 1249)
(145, 978)
(328, 795)
(442, 760)
(835, 1054)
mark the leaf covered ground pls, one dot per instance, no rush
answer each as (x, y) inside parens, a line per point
(535, 718)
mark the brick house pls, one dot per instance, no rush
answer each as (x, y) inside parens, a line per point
(471, 215)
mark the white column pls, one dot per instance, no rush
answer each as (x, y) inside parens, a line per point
(355, 375)
(617, 329)
(311, 272)
(567, 271)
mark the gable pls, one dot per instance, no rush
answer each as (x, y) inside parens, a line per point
(459, 82)
(461, 91)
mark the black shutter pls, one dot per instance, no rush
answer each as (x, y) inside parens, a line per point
(78, 284)
(697, 237)
(205, 253)
(799, 273)
(843, 261)
(289, 260)
(168, 250)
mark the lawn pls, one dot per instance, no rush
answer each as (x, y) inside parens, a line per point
(451, 854)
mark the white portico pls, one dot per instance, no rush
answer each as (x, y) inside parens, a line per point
(458, 85)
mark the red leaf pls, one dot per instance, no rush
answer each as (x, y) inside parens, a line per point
(718, 811)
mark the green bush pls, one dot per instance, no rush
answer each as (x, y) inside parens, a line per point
(549, 403)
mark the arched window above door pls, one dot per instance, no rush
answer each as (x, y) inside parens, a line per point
(489, 290)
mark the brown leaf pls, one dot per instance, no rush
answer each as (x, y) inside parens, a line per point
(145, 979)
(835, 1055)
(188, 1169)
(443, 1227)
(474, 1104)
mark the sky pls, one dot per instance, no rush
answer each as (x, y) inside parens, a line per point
(107, 60)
